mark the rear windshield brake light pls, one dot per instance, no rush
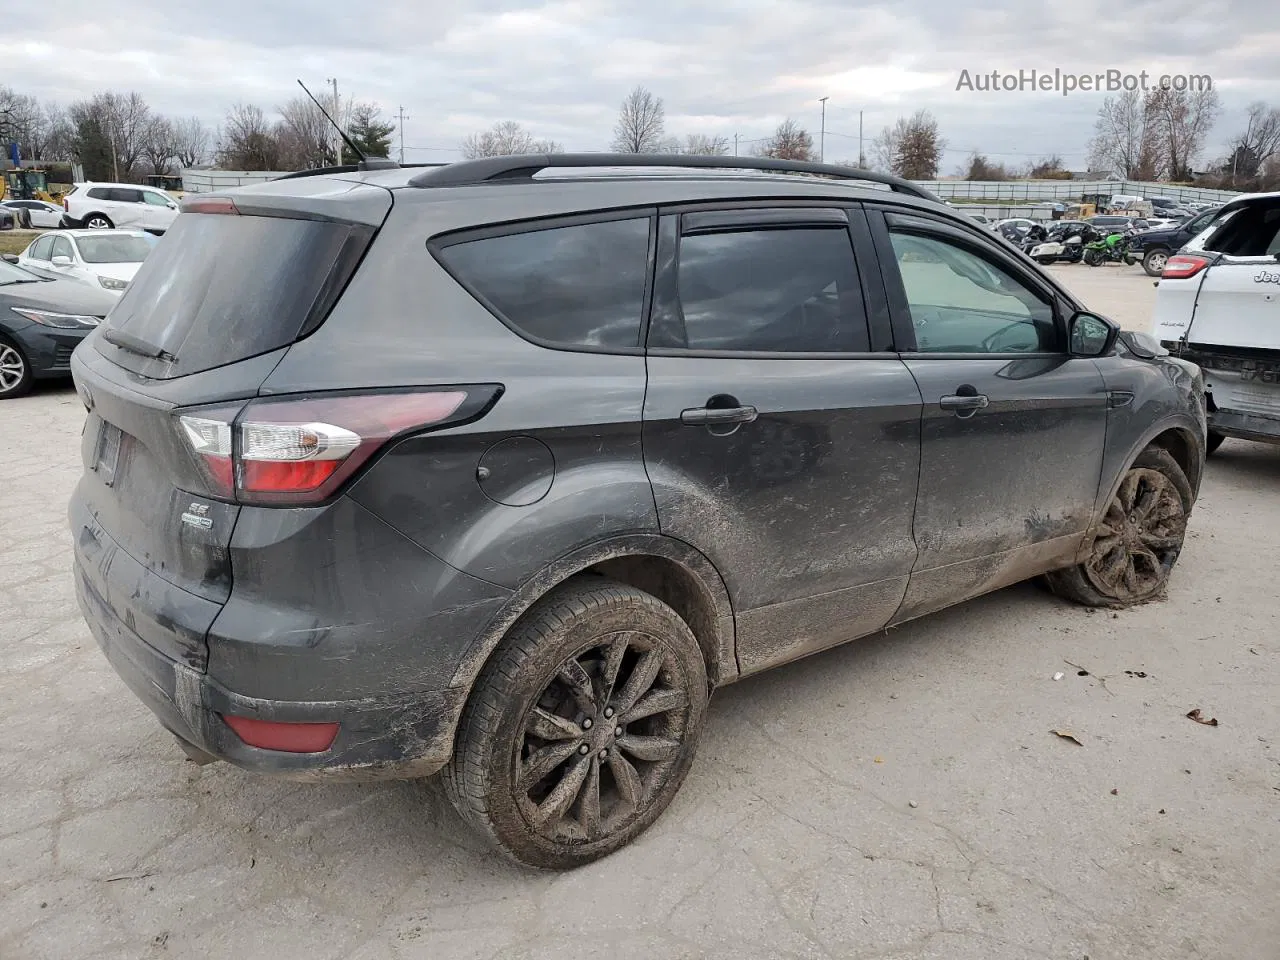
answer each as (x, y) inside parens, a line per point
(300, 451)
(222, 205)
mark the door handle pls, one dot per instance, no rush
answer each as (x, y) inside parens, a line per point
(963, 401)
(714, 416)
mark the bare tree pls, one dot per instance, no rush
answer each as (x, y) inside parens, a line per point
(1257, 144)
(641, 123)
(191, 142)
(1183, 119)
(919, 147)
(60, 141)
(979, 167)
(158, 147)
(705, 145)
(23, 121)
(1126, 137)
(884, 148)
(790, 141)
(1047, 168)
(248, 141)
(305, 137)
(505, 139)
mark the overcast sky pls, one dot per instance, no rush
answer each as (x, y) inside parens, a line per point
(733, 66)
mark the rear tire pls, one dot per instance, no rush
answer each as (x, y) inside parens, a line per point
(97, 221)
(582, 726)
(15, 370)
(1138, 539)
(1212, 442)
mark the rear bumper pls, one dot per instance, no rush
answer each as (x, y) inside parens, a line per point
(1245, 426)
(378, 737)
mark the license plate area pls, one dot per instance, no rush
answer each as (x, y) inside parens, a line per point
(107, 456)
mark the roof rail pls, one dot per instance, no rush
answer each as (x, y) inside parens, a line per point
(373, 163)
(490, 169)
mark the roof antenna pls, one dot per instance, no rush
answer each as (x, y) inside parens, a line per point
(341, 132)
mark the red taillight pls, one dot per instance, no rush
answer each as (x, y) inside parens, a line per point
(221, 205)
(299, 451)
(285, 737)
(66, 204)
(1181, 267)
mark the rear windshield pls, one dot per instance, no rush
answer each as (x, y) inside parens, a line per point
(113, 249)
(1253, 232)
(220, 289)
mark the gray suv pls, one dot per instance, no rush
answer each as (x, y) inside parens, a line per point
(501, 467)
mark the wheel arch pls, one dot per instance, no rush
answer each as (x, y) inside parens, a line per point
(670, 569)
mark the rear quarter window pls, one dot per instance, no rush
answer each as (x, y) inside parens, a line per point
(578, 285)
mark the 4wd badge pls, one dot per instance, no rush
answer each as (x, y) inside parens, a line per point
(197, 515)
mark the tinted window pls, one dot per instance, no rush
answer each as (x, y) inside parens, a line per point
(126, 196)
(580, 285)
(99, 193)
(221, 289)
(775, 290)
(40, 249)
(963, 303)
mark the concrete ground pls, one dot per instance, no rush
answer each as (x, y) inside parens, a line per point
(899, 798)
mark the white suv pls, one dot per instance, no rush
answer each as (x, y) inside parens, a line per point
(1218, 304)
(101, 206)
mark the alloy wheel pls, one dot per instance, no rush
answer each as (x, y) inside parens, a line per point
(600, 741)
(1157, 261)
(1139, 538)
(12, 368)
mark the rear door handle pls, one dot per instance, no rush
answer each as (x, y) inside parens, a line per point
(956, 401)
(712, 416)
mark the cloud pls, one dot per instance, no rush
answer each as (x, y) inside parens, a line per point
(561, 67)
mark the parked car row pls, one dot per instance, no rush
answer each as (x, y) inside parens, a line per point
(56, 291)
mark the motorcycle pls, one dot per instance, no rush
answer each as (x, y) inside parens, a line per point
(1114, 248)
(1063, 244)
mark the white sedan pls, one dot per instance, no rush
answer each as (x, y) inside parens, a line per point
(107, 259)
(43, 215)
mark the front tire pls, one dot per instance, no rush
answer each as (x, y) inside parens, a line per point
(15, 371)
(1213, 441)
(1093, 258)
(1136, 543)
(582, 726)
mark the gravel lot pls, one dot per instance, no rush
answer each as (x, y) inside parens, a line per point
(901, 797)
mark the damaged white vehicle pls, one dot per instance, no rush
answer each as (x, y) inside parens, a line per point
(1218, 305)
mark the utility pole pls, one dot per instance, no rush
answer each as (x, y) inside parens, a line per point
(111, 135)
(862, 160)
(822, 137)
(401, 128)
(337, 119)
(735, 144)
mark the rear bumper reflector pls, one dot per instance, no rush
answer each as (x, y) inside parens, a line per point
(285, 737)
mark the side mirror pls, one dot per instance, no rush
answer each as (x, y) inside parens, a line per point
(61, 261)
(1090, 335)
(9, 257)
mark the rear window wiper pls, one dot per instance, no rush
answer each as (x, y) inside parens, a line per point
(142, 348)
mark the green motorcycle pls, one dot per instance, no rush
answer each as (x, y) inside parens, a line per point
(1113, 248)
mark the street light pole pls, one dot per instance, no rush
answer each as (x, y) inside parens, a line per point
(822, 137)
